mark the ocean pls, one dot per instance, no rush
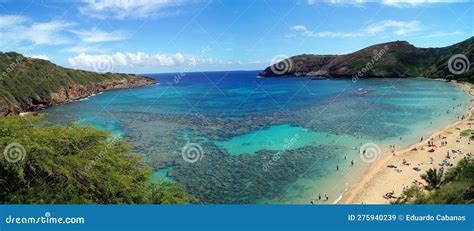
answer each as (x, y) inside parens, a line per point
(235, 138)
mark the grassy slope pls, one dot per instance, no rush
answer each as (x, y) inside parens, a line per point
(400, 60)
(25, 80)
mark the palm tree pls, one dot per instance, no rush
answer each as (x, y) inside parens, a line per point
(433, 177)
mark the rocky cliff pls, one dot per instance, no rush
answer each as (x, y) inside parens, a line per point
(394, 59)
(28, 84)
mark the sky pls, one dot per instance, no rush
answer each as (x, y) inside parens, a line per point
(157, 36)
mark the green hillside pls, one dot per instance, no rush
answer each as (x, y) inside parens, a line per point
(387, 60)
(29, 84)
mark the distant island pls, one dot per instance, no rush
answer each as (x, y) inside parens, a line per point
(397, 59)
(29, 84)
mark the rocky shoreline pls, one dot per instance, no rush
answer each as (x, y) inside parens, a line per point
(398, 59)
(77, 92)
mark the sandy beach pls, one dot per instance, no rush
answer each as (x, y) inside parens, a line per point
(380, 179)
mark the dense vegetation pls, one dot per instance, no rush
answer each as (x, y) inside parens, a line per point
(26, 82)
(74, 164)
(393, 59)
(456, 187)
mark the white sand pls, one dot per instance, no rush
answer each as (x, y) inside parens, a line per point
(379, 179)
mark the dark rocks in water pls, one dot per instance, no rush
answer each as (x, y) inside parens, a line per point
(248, 178)
(221, 178)
(319, 78)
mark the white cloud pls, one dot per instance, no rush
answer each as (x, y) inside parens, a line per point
(347, 2)
(84, 49)
(122, 9)
(120, 59)
(96, 35)
(399, 27)
(442, 34)
(301, 28)
(391, 3)
(138, 59)
(303, 31)
(11, 20)
(47, 33)
(16, 29)
(396, 27)
(412, 3)
(40, 57)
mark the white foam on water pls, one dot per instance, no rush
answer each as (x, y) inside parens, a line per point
(338, 199)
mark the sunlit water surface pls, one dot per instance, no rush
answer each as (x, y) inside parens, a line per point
(266, 140)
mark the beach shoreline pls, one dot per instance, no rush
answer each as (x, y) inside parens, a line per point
(378, 179)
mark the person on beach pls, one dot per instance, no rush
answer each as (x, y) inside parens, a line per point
(337, 167)
(319, 197)
(352, 162)
(326, 195)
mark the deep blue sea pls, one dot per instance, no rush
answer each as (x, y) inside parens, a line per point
(232, 137)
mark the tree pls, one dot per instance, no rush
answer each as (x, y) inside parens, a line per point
(457, 187)
(410, 194)
(433, 177)
(169, 193)
(71, 164)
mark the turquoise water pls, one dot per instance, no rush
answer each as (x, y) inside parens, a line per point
(266, 140)
(276, 137)
(162, 175)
